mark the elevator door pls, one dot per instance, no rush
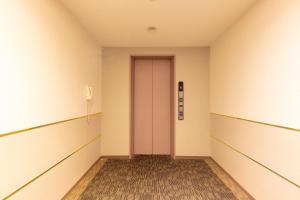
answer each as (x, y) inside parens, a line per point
(152, 106)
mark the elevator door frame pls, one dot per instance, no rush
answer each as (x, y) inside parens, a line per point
(172, 103)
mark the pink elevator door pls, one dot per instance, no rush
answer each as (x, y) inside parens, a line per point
(152, 106)
(143, 107)
(161, 106)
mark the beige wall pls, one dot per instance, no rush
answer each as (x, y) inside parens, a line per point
(46, 60)
(192, 134)
(263, 159)
(254, 75)
(255, 65)
(26, 155)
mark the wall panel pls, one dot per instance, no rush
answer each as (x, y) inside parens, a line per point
(261, 183)
(55, 183)
(26, 155)
(276, 148)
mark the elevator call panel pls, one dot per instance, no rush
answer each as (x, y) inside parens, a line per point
(180, 101)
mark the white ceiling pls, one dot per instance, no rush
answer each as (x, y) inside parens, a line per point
(179, 22)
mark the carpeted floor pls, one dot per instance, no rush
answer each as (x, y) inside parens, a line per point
(156, 178)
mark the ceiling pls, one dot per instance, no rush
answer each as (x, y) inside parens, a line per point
(124, 23)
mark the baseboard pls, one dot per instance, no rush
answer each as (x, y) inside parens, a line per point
(175, 157)
(191, 157)
(115, 157)
(225, 172)
(77, 182)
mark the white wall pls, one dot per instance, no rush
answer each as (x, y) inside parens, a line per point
(254, 75)
(46, 59)
(263, 159)
(26, 155)
(255, 65)
(192, 134)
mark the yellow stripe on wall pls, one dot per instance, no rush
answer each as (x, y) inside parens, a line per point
(252, 159)
(53, 166)
(257, 122)
(45, 125)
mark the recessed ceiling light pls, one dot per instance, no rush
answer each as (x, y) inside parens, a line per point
(152, 28)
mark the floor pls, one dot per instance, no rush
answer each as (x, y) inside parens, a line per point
(156, 177)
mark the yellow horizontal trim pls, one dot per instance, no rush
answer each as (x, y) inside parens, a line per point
(45, 125)
(35, 178)
(257, 122)
(264, 166)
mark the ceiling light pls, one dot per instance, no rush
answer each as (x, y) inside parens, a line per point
(152, 29)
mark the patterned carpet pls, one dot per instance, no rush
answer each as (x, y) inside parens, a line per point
(156, 178)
